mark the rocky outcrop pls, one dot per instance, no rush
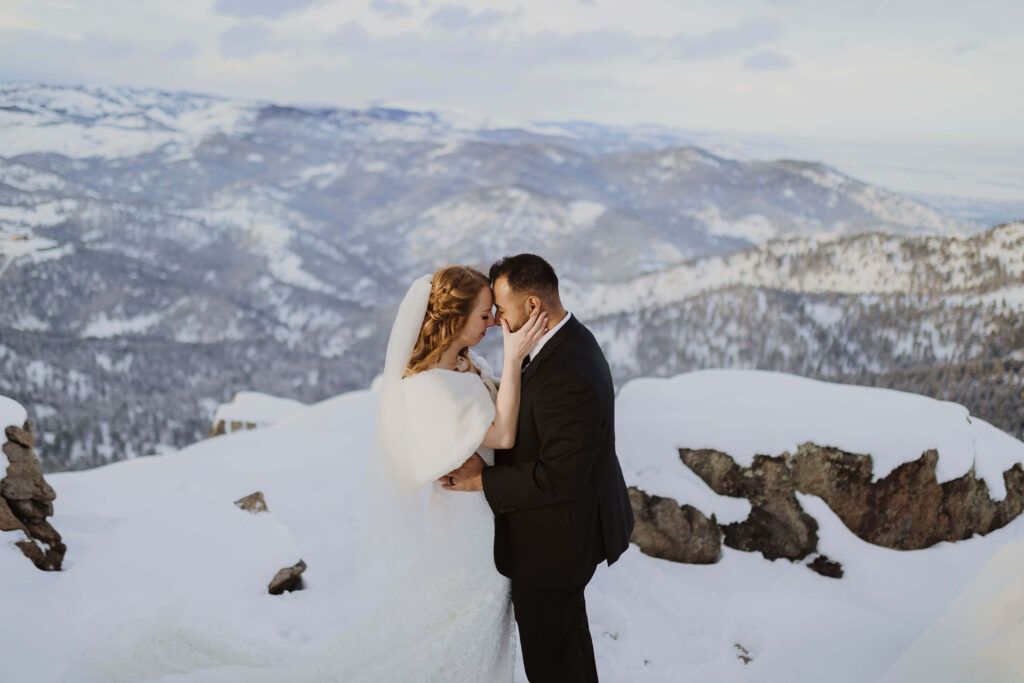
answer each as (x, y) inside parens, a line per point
(909, 508)
(26, 500)
(680, 533)
(287, 579)
(777, 526)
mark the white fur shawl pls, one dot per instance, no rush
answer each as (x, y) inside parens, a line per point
(448, 415)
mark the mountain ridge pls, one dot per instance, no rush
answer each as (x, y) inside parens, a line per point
(216, 245)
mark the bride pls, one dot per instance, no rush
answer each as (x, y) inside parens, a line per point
(439, 407)
(446, 613)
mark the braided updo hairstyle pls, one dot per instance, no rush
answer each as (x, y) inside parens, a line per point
(453, 290)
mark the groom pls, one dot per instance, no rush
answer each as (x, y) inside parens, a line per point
(560, 503)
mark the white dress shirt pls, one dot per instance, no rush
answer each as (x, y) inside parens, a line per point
(550, 333)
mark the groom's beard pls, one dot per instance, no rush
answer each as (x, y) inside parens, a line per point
(520, 323)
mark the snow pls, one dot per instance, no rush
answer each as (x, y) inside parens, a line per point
(29, 179)
(746, 412)
(75, 141)
(866, 264)
(164, 577)
(755, 227)
(256, 407)
(101, 326)
(978, 637)
(11, 413)
(266, 228)
(18, 244)
(107, 122)
(46, 213)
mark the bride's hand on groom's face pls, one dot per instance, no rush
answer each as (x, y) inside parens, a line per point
(466, 478)
(518, 344)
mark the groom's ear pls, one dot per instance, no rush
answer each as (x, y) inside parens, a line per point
(533, 303)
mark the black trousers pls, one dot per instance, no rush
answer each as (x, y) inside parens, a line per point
(554, 634)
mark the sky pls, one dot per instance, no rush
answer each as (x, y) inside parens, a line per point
(884, 70)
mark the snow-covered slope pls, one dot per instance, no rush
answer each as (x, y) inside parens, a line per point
(771, 413)
(986, 266)
(164, 576)
(11, 413)
(255, 408)
(979, 636)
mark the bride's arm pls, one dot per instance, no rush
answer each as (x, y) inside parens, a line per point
(502, 433)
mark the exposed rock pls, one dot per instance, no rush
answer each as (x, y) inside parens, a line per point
(287, 579)
(827, 567)
(252, 410)
(777, 526)
(8, 521)
(907, 509)
(254, 502)
(224, 427)
(21, 436)
(26, 500)
(680, 533)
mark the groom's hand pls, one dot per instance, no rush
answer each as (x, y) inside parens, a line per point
(466, 478)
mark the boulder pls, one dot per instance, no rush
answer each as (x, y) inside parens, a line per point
(254, 502)
(680, 533)
(287, 579)
(826, 567)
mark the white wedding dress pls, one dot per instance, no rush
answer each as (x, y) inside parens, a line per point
(444, 612)
(449, 618)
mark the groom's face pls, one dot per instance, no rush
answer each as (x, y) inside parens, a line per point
(510, 305)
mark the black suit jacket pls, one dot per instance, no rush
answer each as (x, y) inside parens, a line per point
(558, 496)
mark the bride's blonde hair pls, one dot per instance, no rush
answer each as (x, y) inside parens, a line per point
(453, 290)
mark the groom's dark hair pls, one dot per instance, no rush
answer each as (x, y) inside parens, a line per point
(526, 274)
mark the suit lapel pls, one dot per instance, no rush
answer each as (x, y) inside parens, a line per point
(567, 331)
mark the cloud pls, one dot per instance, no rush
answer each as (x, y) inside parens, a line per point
(53, 59)
(348, 38)
(267, 9)
(182, 50)
(587, 45)
(100, 47)
(456, 17)
(69, 52)
(392, 9)
(470, 50)
(962, 48)
(248, 40)
(727, 41)
(767, 60)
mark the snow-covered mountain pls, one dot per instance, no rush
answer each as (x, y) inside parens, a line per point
(161, 251)
(165, 578)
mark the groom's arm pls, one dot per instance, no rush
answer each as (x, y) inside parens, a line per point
(568, 416)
